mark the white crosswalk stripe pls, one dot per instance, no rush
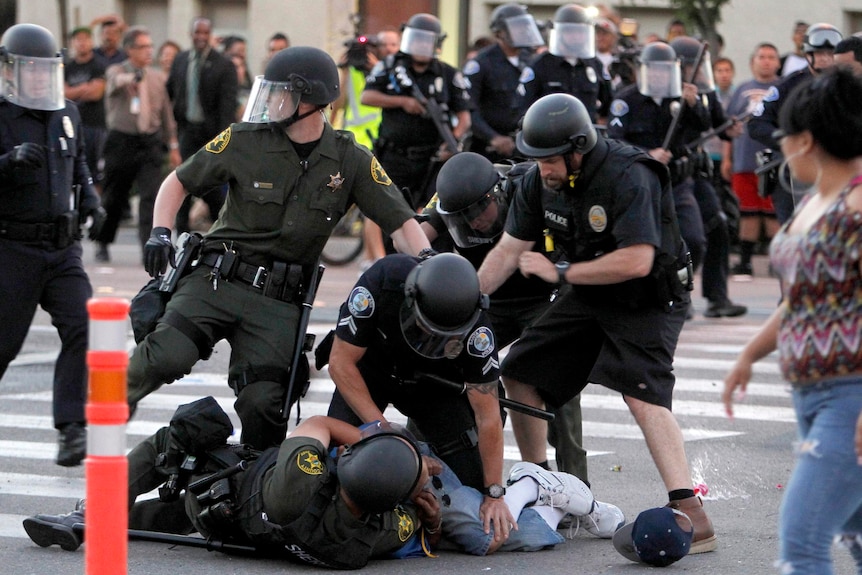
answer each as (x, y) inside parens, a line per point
(700, 366)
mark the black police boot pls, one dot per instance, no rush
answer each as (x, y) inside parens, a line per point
(72, 444)
(47, 530)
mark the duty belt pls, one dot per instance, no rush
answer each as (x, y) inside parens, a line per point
(281, 281)
(58, 234)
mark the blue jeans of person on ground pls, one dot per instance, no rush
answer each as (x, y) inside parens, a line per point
(824, 495)
(463, 529)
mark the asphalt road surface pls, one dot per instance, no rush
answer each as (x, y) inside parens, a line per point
(745, 462)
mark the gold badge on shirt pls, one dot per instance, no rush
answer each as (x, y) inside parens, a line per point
(405, 525)
(309, 463)
(378, 173)
(335, 182)
(219, 143)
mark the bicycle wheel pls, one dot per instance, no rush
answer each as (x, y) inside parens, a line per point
(345, 243)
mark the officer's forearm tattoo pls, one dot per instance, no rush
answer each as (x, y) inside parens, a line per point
(489, 388)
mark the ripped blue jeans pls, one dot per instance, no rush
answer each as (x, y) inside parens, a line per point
(824, 495)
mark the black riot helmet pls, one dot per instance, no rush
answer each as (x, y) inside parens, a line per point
(295, 74)
(573, 34)
(470, 201)
(659, 75)
(380, 470)
(421, 36)
(32, 75)
(821, 36)
(442, 303)
(687, 50)
(517, 26)
(556, 125)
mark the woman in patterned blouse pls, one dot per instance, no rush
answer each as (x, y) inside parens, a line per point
(817, 328)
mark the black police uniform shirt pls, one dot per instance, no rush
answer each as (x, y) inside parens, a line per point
(593, 218)
(494, 80)
(370, 319)
(288, 487)
(586, 80)
(764, 121)
(517, 286)
(280, 207)
(640, 121)
(439, 81)
(41, 194)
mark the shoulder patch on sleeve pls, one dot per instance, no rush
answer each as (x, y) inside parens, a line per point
(772, 95)
(471, 67)
(459, 81)
(361, 302)
(619, 108)
(308, 462)
(527, 75)
(481, 342)
(218, 144)
(378, 173)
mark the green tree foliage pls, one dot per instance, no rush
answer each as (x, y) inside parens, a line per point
(703, 16)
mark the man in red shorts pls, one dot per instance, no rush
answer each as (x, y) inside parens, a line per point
(739, 158)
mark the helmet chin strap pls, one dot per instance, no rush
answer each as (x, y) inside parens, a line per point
(296, 117)
(572, 173)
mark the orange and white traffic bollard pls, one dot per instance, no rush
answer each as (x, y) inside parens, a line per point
(106, 468)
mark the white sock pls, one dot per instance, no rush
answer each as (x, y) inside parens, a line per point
(520, 494)
(551, 515)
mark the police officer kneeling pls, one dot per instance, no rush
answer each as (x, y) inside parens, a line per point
(610, 206)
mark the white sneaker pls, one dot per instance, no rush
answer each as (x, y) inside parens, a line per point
(556, 489)
(604, 520)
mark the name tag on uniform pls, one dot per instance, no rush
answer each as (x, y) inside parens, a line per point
(263, 185)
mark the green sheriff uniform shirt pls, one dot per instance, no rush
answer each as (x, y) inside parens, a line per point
(281, 208)
(292, 482)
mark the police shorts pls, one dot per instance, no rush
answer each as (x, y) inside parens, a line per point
(744, 185)
(575, 343)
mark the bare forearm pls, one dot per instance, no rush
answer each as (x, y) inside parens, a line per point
(410, 239)
(168, 201)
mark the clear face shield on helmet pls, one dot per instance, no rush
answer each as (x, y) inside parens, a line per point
(523, 32)
(572, 40)
(479, 223)
(704, 80)
(271, 101)
(34, 83)
(419, 43)
(431, 340)
(660, 79)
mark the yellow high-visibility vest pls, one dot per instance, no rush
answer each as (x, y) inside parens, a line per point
(360, 119)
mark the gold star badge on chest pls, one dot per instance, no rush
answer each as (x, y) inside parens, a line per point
(335, 182)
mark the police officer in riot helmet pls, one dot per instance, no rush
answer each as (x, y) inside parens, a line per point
(421, 37)
(494, 75)
(261, 252)
(515, 26)
(570, 65)
(717, 249)
(819, 46)
(425, 109)
(473, 201)
(299, 75)
(406, 326)
(573, 34)
(625, 283)
(660, 74)
(687, 50)
(470, 200)
(47, 192)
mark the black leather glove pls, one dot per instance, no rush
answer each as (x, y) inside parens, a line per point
(28, 155)
(158, 252)
(98, 216)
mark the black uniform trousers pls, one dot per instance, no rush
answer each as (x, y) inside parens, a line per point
(442, 416)
(717, 253)
(192, 137)
(689, 219)
(130, 159)
(35, 275)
